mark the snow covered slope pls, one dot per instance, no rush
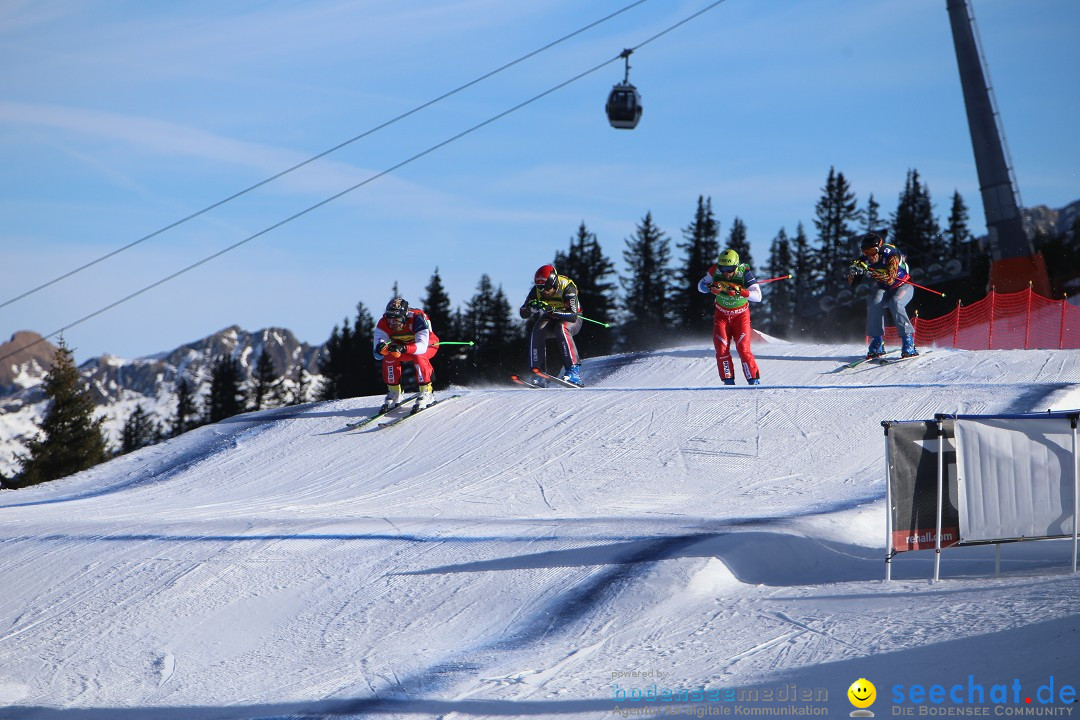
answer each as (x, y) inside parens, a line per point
(516, 552)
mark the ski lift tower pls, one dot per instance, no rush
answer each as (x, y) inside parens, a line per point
(1015, 263)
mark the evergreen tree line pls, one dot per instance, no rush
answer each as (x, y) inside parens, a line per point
(653, 303)
(655, 300)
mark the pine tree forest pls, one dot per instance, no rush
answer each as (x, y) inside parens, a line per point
(654, 300)
(652, 303)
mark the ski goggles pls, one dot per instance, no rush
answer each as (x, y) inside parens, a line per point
(548, 284)
(870, 252)
(726, 268)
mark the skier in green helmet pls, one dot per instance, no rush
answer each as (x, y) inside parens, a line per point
(735, 287)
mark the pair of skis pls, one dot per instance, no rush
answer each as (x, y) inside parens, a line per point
(883, 359)
(397, 414)
(539, 375)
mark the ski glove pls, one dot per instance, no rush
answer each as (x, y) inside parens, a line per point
(390, 348)
(723, 287)
(856, 270)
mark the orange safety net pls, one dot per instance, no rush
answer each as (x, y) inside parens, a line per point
(1001, 321)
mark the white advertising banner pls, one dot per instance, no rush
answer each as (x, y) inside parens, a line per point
(1015, 478)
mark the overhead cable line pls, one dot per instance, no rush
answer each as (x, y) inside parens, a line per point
(321, 155)
(360, 184)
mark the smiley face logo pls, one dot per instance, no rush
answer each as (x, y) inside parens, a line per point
(862, 693)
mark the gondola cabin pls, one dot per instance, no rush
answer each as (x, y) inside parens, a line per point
(624, 107)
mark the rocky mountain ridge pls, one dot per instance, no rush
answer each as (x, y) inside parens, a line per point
(27, 357)
(119, 386)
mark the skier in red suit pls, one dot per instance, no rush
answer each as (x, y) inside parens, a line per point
(735, 287)
(404, 334)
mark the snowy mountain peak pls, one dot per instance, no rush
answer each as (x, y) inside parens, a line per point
(118, 385)
(30, 358)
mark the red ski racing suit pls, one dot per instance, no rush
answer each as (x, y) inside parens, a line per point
(731, 319)
(420, 344)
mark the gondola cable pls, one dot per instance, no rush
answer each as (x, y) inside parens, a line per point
(357, 186)
(313, 158)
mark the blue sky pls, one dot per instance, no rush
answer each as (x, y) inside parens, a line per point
(119, 118)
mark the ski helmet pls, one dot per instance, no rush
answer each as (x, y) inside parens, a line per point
(396, 309)
(547, 278)
(871, 240)
(727, 261)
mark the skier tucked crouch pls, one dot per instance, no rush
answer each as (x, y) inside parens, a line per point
(735, 287)
(404, 334)
(553, 309)
(887, 267)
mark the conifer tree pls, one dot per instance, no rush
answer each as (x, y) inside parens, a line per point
(738, 242)
(804, 282)
(593, 272)
(226, 396)
(647, 288)
(450, 361)
(780, 298)
(914, 229)
(491, 327)
(835, 214)
(506, 334)
(186, 416)
(456, 368)
(279, 393)
(334, 365)
(264, 381)
(71, 439)
(872, 221)
(365, 372)
(695, 309)
(436, 304)
(302, 387)
(348, 367)
(958, 235)
(139, 431)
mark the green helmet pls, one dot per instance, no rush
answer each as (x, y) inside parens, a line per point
(727, 259)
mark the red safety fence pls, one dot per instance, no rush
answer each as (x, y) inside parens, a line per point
(1002, 321)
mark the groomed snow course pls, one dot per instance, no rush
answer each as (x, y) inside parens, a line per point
(523, 553)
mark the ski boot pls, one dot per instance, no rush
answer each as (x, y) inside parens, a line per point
(571, 375)
(753, 381)
(425, 398)
(908, 346)
(877, 347)
(729, 381)
(392, 400)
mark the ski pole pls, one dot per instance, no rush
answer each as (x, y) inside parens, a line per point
(455, 342)
(607, 325)
(922, 287)
(779, 277)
